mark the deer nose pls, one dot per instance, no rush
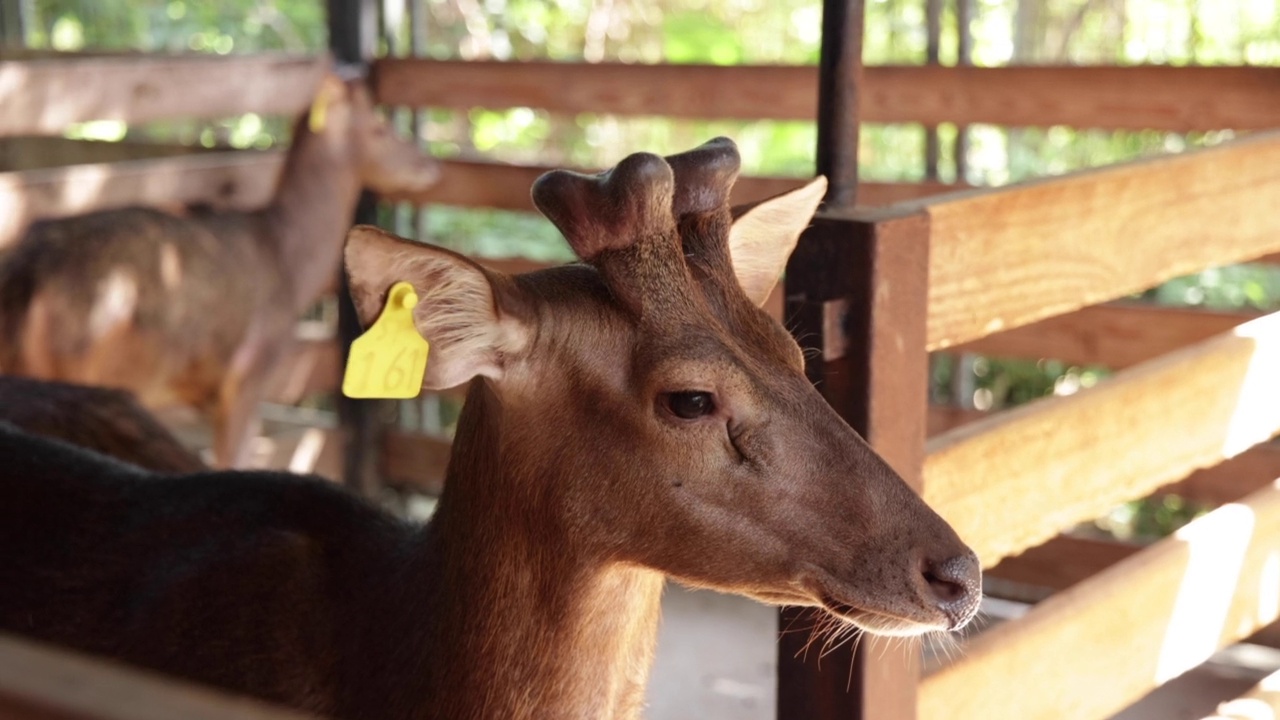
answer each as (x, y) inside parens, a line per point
(954, 585)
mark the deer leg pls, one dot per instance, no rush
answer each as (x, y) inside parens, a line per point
(235, 421)
(235, 412)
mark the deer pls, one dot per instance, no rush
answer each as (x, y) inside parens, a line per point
(629, 418)
(106, 420)
(197, 308)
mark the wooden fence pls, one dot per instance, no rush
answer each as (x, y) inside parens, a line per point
(1035, 269)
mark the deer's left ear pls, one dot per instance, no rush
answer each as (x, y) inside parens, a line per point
(763, 236)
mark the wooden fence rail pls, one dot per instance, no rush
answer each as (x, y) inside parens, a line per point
(1154, 97)
(1006, 257)
(43, 96)
(1172, 605)
(1064, 460)
(39, 682)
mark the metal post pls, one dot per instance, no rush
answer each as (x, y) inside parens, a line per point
(353, 38)
(839, 76)
(933, 44)
(964, 56)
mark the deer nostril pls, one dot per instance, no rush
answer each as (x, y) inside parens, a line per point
(955, 584)
(947, 591)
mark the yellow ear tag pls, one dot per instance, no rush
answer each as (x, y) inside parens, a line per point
(319, 111)
(390, 358)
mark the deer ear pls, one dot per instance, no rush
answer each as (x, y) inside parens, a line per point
(457, 312)
(763, 236)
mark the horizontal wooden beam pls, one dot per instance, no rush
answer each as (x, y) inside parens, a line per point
(233, 179)
(415, 461)
(945, 418)
(1169, 607)
(122, 175)
(1063, 561)
(1008, 257)
(1063, 460)
(506, 187)
(1108, 97)
(39, 682)
(1231, 479)
(43, 96)
(1261, 702)
(1114, 335)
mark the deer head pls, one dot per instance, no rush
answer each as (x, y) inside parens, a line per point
(343, 114)
(643, 409)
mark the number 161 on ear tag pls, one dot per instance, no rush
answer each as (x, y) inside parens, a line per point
(390, 358)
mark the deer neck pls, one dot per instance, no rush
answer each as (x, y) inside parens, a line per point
(529, 626)
(310, 214)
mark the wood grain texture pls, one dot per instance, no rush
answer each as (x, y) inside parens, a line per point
(468, 183)
(1157, 97)
(1063, 460)
(1115, 335)
(43, 96)
(1009, 257)
(39, 682)
(1169, 607)
(241, 180)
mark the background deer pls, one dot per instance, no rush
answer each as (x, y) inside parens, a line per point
(630, 418)
(106, 420)
(197, 309)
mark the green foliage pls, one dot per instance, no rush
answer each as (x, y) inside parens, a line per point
(177, 25)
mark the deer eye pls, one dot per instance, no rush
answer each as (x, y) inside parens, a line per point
(690, 405)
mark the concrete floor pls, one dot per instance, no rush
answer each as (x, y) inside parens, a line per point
(717, 658)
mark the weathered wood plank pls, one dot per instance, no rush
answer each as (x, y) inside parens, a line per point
(1114, 335)
(1063, 561)
(467, 183)
(44, 96)
(1172, 605)
(1231, 479)
(1147, 96)
(240, 180)
(1008, 257)
(38, 682)
(1062, 460)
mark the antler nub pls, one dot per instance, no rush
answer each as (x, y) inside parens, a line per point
(612, 210)
(704, 176)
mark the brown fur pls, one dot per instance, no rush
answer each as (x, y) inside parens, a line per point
(572, 491)
(101, 419)
(196, 309)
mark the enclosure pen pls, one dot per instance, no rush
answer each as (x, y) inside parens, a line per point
(1036, 269)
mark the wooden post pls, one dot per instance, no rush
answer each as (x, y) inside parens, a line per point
(353, 36)
(856, 291)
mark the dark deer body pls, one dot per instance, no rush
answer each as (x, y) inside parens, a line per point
(106, 420)
(627, 419)
(197, 309)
